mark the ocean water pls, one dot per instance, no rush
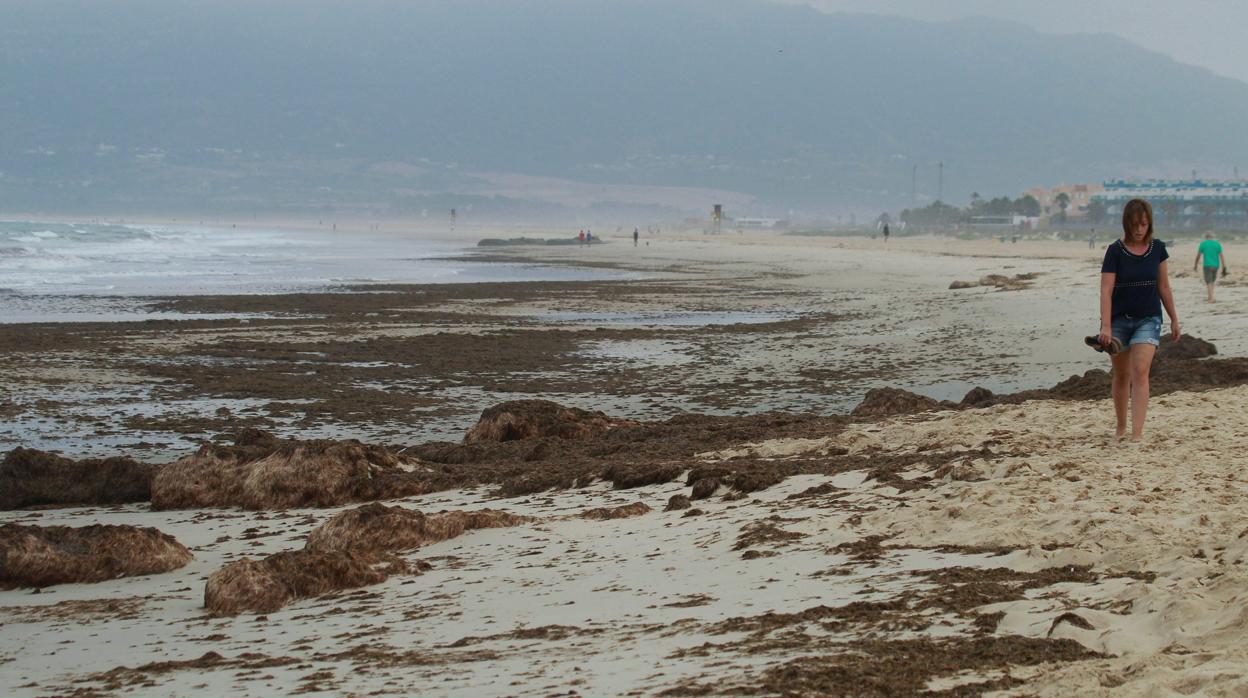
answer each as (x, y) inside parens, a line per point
(99, 271)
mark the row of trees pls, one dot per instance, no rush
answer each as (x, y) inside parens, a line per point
(941, 213)
(1025, 205)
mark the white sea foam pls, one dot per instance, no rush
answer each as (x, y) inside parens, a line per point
(95, 260)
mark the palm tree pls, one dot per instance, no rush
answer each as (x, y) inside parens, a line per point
(1027, 205)
(1063, 201)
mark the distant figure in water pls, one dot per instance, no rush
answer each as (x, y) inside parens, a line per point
(1135, 284)
(581, 237)
(1091, 240)
(636, 235)
(885, 232)
(1211, 250)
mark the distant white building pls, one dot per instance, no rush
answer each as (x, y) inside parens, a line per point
(1006, 222)
(760, 223)
(1186, 203)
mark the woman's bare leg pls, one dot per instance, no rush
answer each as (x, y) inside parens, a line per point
(1121, 391)
(1141, 356)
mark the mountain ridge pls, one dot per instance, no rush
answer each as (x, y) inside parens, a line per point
(286, 104)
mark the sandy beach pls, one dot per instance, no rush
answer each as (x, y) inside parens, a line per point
(856, 480)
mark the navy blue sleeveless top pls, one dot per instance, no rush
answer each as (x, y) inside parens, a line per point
(1135, 283)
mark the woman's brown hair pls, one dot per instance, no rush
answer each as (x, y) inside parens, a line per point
(1132, 212)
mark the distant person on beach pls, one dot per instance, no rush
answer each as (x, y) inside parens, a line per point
(1091, 240)
(1211, 251)
(885, 232)
(589, 237)
(636, 235)
(1135, 284)
(581, 237)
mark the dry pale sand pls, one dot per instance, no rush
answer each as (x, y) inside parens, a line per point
(606, 608)
(1171, 512)
(596, 608)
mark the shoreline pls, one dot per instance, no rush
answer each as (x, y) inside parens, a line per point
(758, 324)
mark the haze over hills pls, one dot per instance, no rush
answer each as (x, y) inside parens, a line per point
(394, 107)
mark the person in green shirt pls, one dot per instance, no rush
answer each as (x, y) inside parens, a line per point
(1211, 251)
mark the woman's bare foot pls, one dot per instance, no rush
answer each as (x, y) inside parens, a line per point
(1120, 434)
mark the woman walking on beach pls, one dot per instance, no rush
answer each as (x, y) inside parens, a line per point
(1135, 284)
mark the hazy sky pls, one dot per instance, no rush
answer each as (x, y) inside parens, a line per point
(1207, 33)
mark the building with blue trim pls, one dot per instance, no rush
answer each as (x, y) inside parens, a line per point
(1192, 203)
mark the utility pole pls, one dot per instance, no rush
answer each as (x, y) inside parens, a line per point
(940, 181)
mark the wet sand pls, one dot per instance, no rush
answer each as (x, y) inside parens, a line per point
(717, 325)
(1010, 547)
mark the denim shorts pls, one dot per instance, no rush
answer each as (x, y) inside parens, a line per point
(1137, 330)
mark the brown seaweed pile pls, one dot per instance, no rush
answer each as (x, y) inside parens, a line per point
(260, 471)
(527, 419)
(624, 511)
(377, 528)
(352, 549)
(40, 556)
(31, 478)
(264, 586)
